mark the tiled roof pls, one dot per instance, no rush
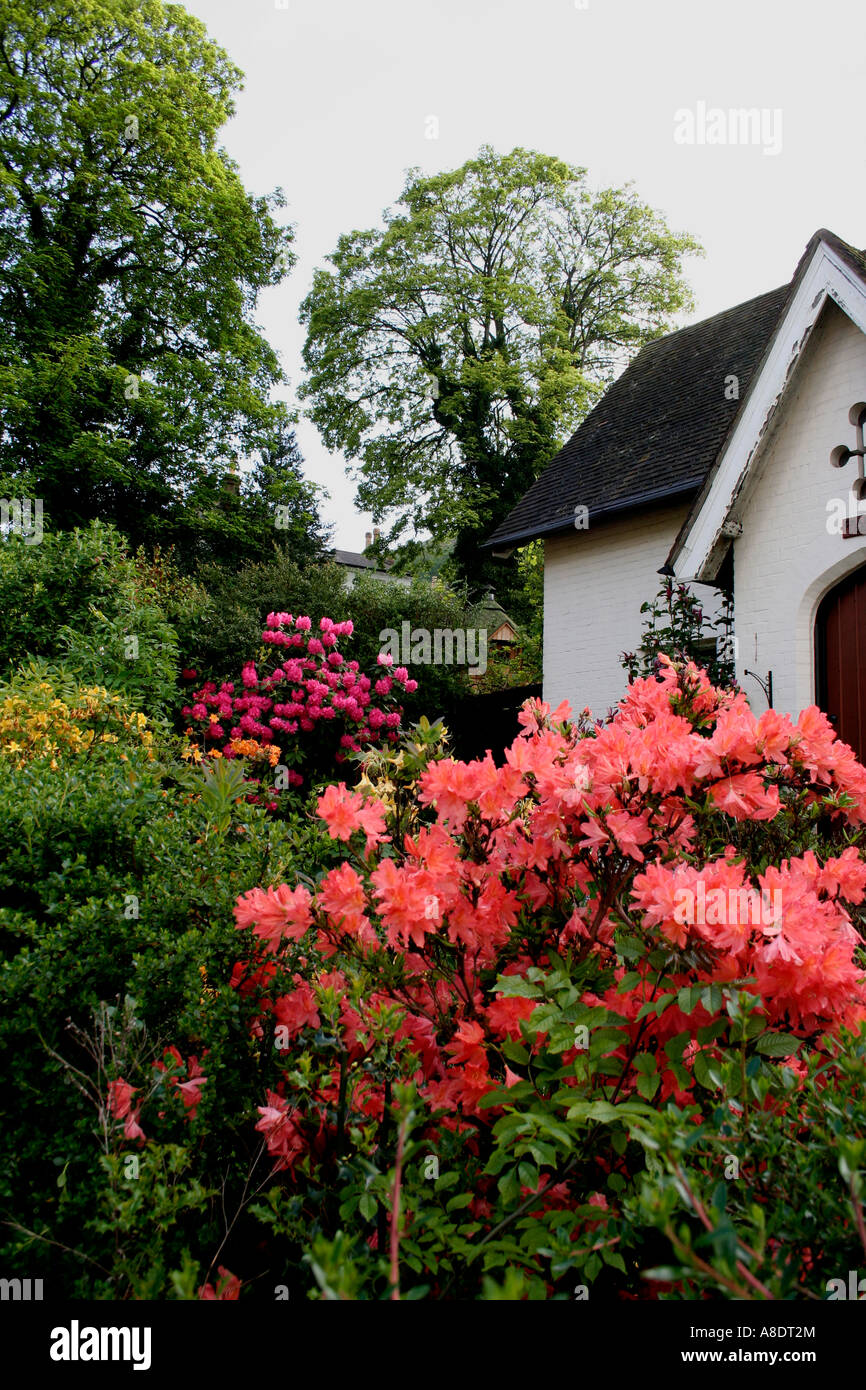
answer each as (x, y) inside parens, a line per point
(353, 558)
(657, 431)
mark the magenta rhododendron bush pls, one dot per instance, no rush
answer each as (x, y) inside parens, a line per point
(308, 705)
(580, 934)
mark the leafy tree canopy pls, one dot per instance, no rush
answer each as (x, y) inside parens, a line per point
(450, 351)
(133, 378)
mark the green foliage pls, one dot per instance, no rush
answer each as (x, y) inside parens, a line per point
(764, 1199)
(163, 1199)
(530, 568)
(133, 379)
(222, 785)
(780, 1222)
(677, 627)
(80, 597)
(158, 580)
(229, 628)
(375, 605)
(517, 664)
(450, 351)
(54, 584)
(118, 877)
(133, 650)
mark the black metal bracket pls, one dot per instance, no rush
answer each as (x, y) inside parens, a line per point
(766, 685)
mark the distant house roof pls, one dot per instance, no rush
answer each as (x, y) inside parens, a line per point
(489, 615)
(657, 431)
(353, 558)
(355, 561)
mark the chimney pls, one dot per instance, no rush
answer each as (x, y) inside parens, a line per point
(368, 539)
(376, 534)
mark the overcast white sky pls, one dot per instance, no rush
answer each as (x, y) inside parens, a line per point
(338, 93)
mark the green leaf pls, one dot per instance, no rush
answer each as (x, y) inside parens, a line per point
(664, 1000)
(603, 1040)
(689, 997)
(528, 1174)
(602, 1112)
(703, 1075)
(509, 1186)
(777, 1045)
(463, 1199)
(631, 947)
(711, 998)
(630, 980)
(676, 1046)
(449, 1179)
(517, 986)
(648, 1085)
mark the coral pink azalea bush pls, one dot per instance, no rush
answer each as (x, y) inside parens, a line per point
(303, 706)
(472, 1041)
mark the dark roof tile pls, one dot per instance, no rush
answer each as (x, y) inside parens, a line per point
(657, 430)
(353, 558)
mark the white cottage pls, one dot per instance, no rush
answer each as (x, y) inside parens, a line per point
(725, 455)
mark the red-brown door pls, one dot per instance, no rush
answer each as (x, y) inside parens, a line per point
(840, 638)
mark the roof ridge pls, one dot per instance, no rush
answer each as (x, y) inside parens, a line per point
(722, 313)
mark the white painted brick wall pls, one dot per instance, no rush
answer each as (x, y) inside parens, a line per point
(594, 584)
(785, 561)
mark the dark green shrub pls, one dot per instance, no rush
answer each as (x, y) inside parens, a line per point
(54, 584)
(118, 876)
(79, 597)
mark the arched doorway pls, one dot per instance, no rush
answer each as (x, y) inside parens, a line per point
(840, 659)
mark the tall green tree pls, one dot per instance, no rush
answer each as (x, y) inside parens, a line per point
(133, 378)
(452, 350)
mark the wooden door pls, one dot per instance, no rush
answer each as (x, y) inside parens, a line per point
(840, 643)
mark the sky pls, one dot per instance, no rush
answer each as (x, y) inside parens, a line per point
(341, 97)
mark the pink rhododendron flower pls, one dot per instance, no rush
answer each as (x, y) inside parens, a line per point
(120, 1095)
(275, 913)
(282, 1137)
(602, 848)
(228, 1287)
(344, 812)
